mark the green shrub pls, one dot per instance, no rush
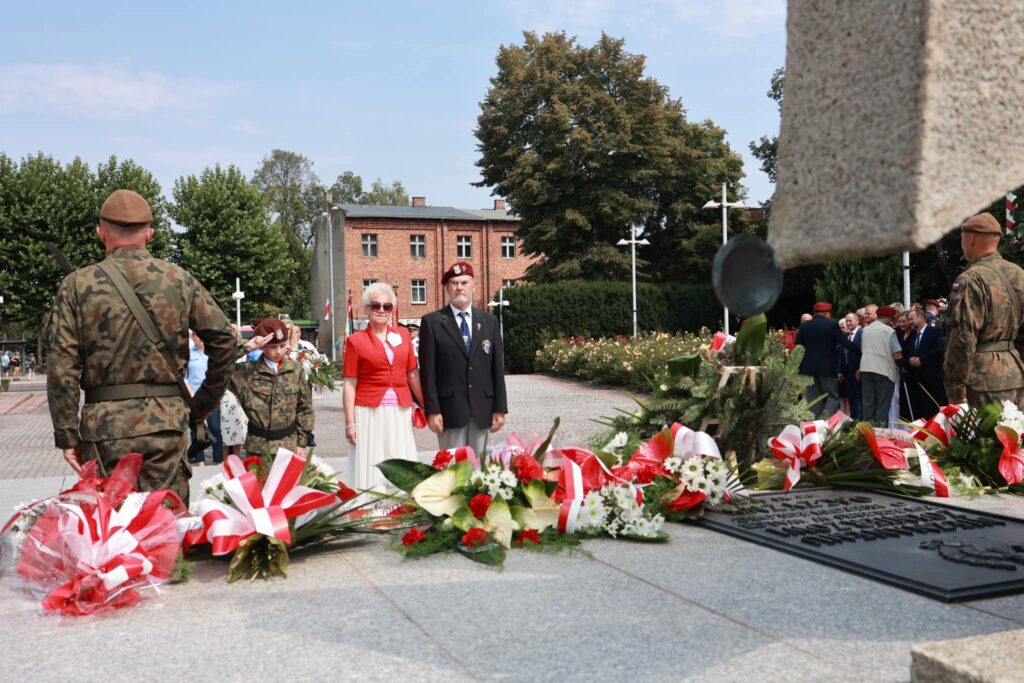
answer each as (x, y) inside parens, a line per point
(539, 313)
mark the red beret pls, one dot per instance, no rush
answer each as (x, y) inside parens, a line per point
(822, 307)
(887, 312)
(277, 329)
(458, 268)
(933, 302)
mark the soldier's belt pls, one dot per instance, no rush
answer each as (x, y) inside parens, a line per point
(122, 392)
(272, 434)
(992, 347)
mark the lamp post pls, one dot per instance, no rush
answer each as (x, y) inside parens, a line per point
(238, 295)
(725, 205)
(501, 304)
(632, 242)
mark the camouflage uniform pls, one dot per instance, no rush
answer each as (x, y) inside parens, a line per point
(983, 355)
(94, 341)
(274, 402)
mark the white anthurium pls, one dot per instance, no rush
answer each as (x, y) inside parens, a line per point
(499, 522)
(542, 513)
(434, 494)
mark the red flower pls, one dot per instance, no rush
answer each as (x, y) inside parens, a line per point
(527, 468)
(1011, 462)
(686, 500)
(402, 510)
(443, 459)
(888, 453)
(479, 505)
(412, 537)
(345, 493)
(474, 537)
(530, 535)
(253, 463)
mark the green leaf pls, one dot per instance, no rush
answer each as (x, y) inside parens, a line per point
(750, 339)
(687, 365)
(547, 442)
(464, 519)
(405, 474)
(491, 554)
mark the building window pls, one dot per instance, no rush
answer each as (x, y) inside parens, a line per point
(419, 291)
(369, 245)
(508, 247)
(418, 246)
(508, 283)
(464, 246)
(367, 283)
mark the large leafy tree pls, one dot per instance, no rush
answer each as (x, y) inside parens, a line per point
(227, 235)
(43, 201)
(584, 145)
(348, 189)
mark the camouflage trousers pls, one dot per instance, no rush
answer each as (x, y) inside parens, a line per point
(1016, 396)
(164, 465)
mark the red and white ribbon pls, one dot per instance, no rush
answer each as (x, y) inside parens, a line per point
(799, 447)
(931, 474)
(687, 444)
(572, 481)
(257, 511)
(720, 340)
(1011, 205)
(939, 429)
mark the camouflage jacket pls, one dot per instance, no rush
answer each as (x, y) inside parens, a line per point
(274, 401)
(980, 310)
(94, 341)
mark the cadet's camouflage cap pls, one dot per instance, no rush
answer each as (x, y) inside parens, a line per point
(127, 209)
(983, 223)
(277, 329)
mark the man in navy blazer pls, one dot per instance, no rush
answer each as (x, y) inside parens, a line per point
(849, 364)
(928, 391)
(819, 337)
(461, 366)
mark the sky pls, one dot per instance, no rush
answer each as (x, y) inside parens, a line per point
(384, 89)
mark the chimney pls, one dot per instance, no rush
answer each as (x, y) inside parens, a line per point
(499, 204)
(419, 201)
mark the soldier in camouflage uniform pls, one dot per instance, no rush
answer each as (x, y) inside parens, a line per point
(983, 355)
(274, 394)
(133, 403)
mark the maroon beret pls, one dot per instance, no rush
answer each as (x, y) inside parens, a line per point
(822, 307)
(277, 329)
(887, 312)
(458, 268)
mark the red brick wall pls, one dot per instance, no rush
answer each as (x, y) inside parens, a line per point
(395, 265)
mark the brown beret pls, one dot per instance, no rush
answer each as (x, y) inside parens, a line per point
(458, 268)
(277, 329)
(984, 223)
(126, 208)
(887, 312)
(822, 307)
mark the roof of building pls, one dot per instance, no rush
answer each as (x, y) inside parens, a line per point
(426, 212)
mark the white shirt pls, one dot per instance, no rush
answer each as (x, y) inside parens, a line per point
(270, 364)
(469, 316)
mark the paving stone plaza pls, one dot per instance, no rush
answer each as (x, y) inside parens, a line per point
(701, 607)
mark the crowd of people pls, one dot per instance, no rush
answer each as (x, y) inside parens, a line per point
(16, 366)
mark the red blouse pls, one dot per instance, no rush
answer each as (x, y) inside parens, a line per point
(367, 362)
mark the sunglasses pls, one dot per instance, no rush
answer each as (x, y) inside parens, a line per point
(376, 305)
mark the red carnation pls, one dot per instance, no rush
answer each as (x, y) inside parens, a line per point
(345, 493)
(530, 535)
(253, 463)
(412, 537)
(527, 468)
(474, 537)
(443, 459)
(479, 505)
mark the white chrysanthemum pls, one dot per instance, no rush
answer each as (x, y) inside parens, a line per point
(215, 482)
(477, 478)
(674, 464)
(716, 481)
(593, 499)
(631, 513)
(698, 484)
(506, 493)
(693, 467)
(591, 517)
(715, 466)
(508, 478)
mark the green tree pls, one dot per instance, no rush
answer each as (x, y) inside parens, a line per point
(583, 146)
(227, 235)
(848, 285)
(293, 192)
(766, 150)
(348, 189)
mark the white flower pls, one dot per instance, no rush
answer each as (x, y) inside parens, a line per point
(617, 442)
(694, 467)
(477, 478)
(508, 478)
(674, 464)
(217, 481)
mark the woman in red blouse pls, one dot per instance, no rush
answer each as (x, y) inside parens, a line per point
(380, 371)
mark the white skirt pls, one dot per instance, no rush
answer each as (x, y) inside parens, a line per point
(382, 433)
(233, 422)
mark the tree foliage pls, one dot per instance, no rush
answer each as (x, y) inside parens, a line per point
(43, 201)
(348, 189)
(227, 235)
(293, 192)
(766, 149)
(584, 146)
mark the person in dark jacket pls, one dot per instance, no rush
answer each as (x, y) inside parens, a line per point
(924, 361)
(819, 337)
(849, 364)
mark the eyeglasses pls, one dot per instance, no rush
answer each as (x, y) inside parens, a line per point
(376, 305)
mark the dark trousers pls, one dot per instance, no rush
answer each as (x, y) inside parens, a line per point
(929, 396)
(853, 392)
(827, 387)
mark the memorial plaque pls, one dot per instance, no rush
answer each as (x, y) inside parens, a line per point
(944, 552)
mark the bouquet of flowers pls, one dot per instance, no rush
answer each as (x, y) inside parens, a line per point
(95, 546)
(978, 447)
(320, 371)
(256, 511)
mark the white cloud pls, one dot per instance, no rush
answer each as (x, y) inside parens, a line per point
(100, 91)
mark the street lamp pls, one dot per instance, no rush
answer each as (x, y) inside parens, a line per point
(238, 295)
(632, 242)
(725, 205)
(501, 304)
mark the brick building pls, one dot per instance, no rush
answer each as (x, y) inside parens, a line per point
(409, 247)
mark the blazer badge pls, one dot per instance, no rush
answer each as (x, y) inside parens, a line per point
(486, 345)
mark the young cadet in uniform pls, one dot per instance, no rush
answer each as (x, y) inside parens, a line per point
(274, 394)
(133, 403)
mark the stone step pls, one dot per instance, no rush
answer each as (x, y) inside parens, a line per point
(993, 658)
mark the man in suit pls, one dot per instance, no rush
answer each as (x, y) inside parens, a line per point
(461, 366)
(849, 364)
(819, 337)
(928, 389)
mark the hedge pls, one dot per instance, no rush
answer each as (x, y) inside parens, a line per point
(539, 313)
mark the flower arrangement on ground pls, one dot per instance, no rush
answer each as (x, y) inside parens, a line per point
(256, 511)
(319, 369)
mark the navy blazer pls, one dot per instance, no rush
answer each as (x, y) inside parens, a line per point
(930, 353)
(819, 337)
(849, 359)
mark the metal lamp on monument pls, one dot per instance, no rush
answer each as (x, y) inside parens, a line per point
(725, 205)
(632, 242)
(501, 304)
(238, 295)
